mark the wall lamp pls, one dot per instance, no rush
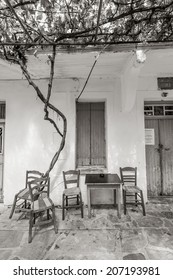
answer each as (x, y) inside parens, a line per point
(164, 94)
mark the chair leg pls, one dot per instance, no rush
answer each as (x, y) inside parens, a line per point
(47, 214)
(63, 210)
(124, 198)
(54, 219)
(82, 209)
(78, 199)
(136, 199)
(34, 218)
(13, 206)
(66, 200)
(30, 227)
(25, 203)
(143, 205)
(81, 203)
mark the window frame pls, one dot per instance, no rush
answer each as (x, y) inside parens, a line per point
(154, 106)
(92, 168)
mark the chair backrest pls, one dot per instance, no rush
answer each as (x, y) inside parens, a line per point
(32, 175)
(39, 187)
(128, 176)
(71, 178)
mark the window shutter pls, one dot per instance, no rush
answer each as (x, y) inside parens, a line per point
(90, 149)
(97, 134)
(83, 134)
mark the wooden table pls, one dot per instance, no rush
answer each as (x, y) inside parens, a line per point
(103, 181)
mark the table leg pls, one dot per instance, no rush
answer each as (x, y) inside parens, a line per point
(115, 199)
(119, 201)
(89, 203)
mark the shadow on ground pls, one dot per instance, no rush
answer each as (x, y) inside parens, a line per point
(103, 237)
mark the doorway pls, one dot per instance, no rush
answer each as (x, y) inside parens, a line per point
(159, 151)
(2, 128)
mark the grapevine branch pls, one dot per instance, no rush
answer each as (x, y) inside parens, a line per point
(48, 105)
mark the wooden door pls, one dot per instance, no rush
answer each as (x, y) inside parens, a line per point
(159, 158)
(1, 160)
(166, 140)
(153, 161)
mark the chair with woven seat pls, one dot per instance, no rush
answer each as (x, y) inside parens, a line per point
(72, 192)
(132, 194)
(41, 204)
(22, 199)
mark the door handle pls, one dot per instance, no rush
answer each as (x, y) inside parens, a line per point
(167, 149)
(160, 148)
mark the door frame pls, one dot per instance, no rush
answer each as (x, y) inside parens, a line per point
(2, 125)
(158, 117)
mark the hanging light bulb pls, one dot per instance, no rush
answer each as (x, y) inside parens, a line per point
(140, 56)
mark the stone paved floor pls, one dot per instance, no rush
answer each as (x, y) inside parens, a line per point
(104, 236)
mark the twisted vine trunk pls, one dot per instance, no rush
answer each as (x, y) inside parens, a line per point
(48, 106)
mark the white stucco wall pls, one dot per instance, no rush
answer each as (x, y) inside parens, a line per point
(30, 141)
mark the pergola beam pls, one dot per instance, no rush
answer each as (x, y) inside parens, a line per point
(135, 43)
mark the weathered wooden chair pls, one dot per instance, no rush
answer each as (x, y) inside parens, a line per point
(132, 194)
(41, 204)
(72, 197)
(22, 199)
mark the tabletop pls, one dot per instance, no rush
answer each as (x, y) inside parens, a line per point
(102, 179)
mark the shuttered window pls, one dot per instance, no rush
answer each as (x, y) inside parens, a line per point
(2, 110)
(91, 134)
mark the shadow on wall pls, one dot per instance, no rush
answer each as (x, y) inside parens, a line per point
(122, 156)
